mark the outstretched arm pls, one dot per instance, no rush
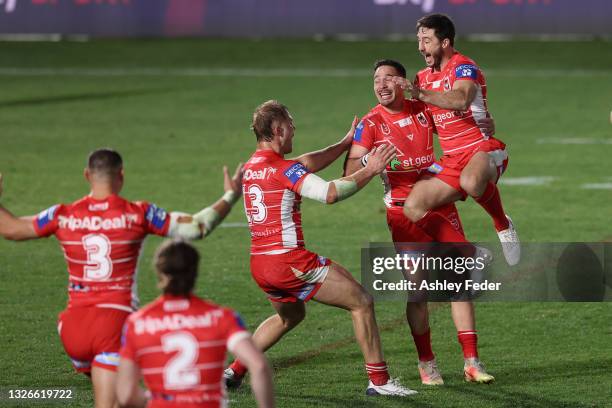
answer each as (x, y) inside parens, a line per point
(314, 187)
(320, 159)
(15, 228)
(204, 222)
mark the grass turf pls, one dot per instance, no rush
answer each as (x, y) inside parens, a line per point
(175, 131)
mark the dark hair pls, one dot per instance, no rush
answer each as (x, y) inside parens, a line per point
(392, 63)
(178, 260)
(441, 24)
(104, 162)
(266, 114)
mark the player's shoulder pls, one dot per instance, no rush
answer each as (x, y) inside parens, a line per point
(423, 73)
(459, 59)
(374, 115)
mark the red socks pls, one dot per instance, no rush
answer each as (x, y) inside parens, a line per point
(491, 202)
(377, 372)
(469, 343)
(423, 345)
(238, 368)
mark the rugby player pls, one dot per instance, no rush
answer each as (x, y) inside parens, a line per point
(280, 264)
(178, 343)
(455, 91)
(408, 126)
(101, 236)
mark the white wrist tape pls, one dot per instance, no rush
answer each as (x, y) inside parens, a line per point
(345, 188)
(182, 225)
(230, 197)
(209, 218)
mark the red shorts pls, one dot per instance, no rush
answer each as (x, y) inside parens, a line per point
(92, 336)
(449, 167)
(290, 277)
(404, 230)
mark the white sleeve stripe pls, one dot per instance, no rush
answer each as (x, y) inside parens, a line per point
(235, 339)
(315, 188)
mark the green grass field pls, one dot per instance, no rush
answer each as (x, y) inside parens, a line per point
(178, 110)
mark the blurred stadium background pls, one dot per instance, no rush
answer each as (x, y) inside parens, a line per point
(172, 84)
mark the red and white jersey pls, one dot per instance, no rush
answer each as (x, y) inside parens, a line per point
(457, 130)
(180, 345)
(272, 203)
(101, 240)
(411, 132)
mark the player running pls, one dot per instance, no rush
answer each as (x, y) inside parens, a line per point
(455, 91)
(408, 125)
(280, 264)
(178, 343)
(101, 236)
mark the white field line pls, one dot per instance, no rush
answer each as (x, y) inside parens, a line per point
(265, 72)
(527, 181)
(597, 186)
(574, 141)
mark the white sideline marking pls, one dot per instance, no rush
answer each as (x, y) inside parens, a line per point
(527, 181)
(233, 225)
(597, 186)
(574, 141)
(264, 72)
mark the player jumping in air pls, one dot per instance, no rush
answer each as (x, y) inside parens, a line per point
(101, 237)
(280, 264)
(408, 125)
(455, 91)
(178, 343)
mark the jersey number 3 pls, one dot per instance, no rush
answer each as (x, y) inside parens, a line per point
(99, 265)
(257, 213)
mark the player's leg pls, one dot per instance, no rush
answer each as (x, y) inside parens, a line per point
(423, 206)
(464, 319)
(340, 289)
(268, 333)
(417, 315)
(104, 381)
(478, 179)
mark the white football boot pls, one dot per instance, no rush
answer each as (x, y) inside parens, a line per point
(392, 387)
(510, 244)
(429, 372)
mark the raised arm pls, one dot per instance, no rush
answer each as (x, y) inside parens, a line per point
(356, 159)
(203, 223)
(320, 159)
(15, 228)
(314, 187)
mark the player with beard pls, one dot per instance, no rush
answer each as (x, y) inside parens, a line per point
(407, 125)
(455, 91)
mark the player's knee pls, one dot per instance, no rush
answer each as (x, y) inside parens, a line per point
(289, 322)
(472, 184)
(413, 209)
(365, 302)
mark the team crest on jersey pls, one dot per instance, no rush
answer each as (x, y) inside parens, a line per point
(385, 129)
(447, 86)
(422, 119)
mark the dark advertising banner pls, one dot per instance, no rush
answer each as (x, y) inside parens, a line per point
(298, 18)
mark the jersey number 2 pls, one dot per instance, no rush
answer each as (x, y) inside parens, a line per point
(180, 372)
(98, 250)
